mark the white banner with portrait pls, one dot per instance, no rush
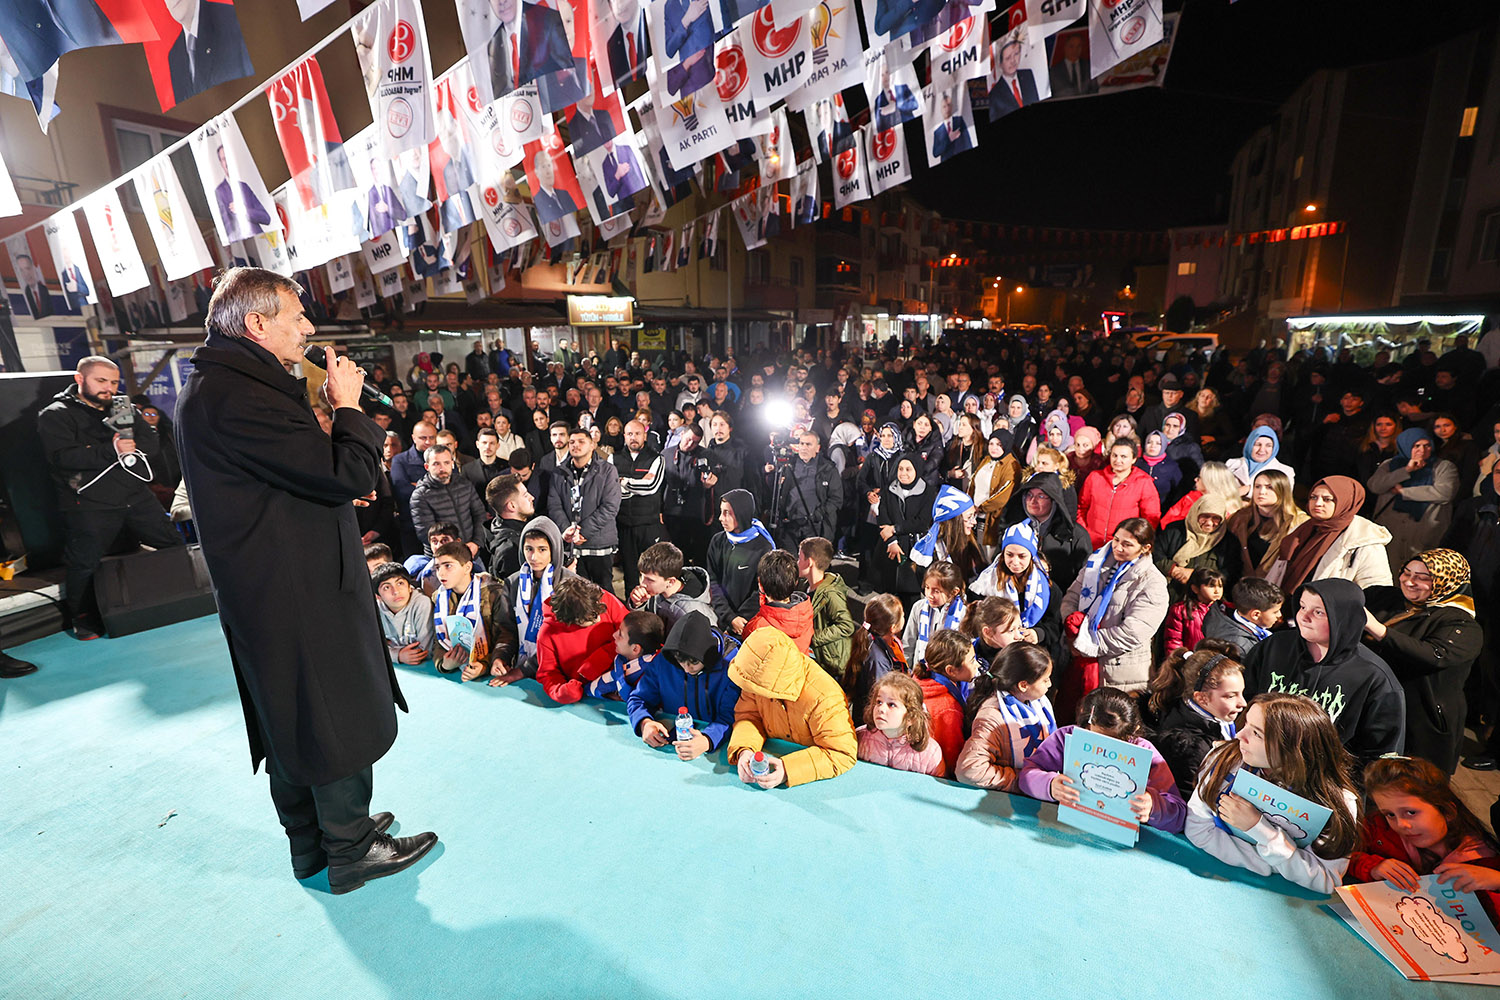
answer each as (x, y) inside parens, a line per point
(61, 231)
(391, 40)
(237, 196)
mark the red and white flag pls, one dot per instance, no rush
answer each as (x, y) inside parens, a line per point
(308, 134)
(746, 211)
(849, 181)
(888, 161)
(113, 242)
(391, 40)
(960, 53)
(780, 56)
(170, 219)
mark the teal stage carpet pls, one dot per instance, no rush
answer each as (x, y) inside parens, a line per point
(142, 859)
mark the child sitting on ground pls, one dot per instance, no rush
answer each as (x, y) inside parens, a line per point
(637, 644)
(784, 695)
(782, 605)
(895, 730)
(833, 625)
(1008, 716)
(875, 649)
(1185, 618)
(692, 672)
(405, 614)
(457, 597)
(1419, 826)
(940, 606)
(423, 569)
(1109, 712)
(668, 588)
(992, 624)
(1289, 740)
(513, 610)
(576, 645)
(1196, 697)
(945, 677)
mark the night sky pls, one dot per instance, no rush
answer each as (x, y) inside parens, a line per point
(1155, 158)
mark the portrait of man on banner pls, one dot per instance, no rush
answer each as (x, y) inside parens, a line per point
(619, 34)
(29, 276)
(202, 46)
(555, 191)
(449, 156)
(1012, 86)
(948, 118)
(565, 86)
(618, 173)
(595, 118)
(893, 93)
(834, 134)
(893, 19)
(1070, 72)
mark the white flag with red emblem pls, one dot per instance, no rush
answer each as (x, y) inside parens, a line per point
(777, 159)
(746, 211)
(732, 80)
(779, 56)
(849, 181)
(391, 40)
(889, 164)
(170, 219)
(962, 52)
(113, 241)
(1119, 29)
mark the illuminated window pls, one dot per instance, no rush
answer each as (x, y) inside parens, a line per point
(1187, 267)
(1466, 124)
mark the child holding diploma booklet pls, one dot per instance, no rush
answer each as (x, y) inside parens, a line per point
(1289, 741)
(1112, 713)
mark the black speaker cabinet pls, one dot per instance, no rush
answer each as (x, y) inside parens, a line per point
(144, 590)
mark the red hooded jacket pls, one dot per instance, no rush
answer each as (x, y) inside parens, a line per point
(796, 620)
(1102, 505)
(568, 657)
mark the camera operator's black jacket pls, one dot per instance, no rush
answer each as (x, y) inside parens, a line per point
(80, 445)
(824, 502)
(686, 496)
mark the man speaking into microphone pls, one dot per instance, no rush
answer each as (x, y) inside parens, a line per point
(272, 497)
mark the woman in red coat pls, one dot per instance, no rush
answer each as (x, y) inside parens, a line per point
(1116, 492)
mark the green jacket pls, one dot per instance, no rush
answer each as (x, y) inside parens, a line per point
(833, 626)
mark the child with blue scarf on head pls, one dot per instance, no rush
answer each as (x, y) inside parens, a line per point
(1019, 575)
(940, 606)
(692, 672)
(1008, 716)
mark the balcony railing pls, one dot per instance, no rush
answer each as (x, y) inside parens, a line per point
(43, 190)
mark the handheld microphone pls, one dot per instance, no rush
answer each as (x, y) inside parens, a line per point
(316, 357)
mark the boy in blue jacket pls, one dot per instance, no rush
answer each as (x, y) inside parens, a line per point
(692, 670)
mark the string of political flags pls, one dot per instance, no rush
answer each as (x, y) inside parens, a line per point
(609, 111)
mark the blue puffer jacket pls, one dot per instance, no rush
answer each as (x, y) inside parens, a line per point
(709, 695)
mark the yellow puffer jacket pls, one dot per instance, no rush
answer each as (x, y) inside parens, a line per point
(785, 695)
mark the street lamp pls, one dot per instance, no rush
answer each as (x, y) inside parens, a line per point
(1018, 288)
(1312, 208)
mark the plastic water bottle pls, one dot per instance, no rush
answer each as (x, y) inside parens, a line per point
(759, 766)
(684, 725)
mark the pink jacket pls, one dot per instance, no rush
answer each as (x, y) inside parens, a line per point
(878, 748)
(1102, 505)
(1185, 624)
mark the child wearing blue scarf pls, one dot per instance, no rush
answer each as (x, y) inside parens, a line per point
(1009, 716)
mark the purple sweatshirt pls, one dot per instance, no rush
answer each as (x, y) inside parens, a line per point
(1168, 811)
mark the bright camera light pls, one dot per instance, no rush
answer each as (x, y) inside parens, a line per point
(779, 414)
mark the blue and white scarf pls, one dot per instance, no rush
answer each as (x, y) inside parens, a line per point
(1226, 729)
(953, 613)
(468, 607)
(529, 612)
(756, 528)
(1249, 626)
(622, 677)
(951, 502)
(1093, 597)
(1029, 722)
(1038, 594)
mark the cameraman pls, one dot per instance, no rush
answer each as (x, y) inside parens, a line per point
(691, 472)
(809, 493)
(103, 455)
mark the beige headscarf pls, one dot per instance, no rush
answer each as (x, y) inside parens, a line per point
(1200, 541)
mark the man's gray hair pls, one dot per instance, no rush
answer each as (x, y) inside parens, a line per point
(240, 291)
(435, 450)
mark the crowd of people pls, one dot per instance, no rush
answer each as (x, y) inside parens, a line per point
(1275, 563)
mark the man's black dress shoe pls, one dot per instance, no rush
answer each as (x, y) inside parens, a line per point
(387, 856)
(12, 667)
(308, 865)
